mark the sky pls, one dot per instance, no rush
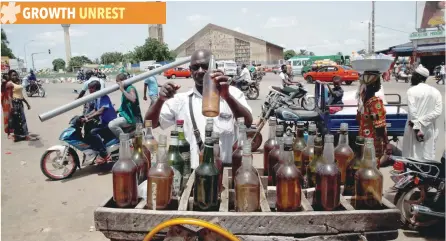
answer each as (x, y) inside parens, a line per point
(321, 27)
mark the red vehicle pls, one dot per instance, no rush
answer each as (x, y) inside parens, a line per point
(327, 73)
(177, 72)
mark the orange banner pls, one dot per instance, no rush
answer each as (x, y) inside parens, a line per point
(83, 13)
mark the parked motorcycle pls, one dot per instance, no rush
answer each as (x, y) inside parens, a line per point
(301, 99)
(35, 88)
(420, 191)
(250, 89)
(403, 75)
(64, 158)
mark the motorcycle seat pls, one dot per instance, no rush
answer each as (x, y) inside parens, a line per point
(285, 91)
(306, 115)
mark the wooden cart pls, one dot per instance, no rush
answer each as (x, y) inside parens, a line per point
(344, 224)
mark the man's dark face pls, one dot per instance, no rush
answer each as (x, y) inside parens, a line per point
(91, 89)
(199, 65)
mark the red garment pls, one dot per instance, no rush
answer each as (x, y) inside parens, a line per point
(374, 116)
(6, 99)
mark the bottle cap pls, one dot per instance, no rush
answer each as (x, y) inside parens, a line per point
(180, 122)
(312, 127)
(344, 127)
(360, 140)
(123, 137)
(329, 138)
(174, 133)
(247, 147)
(162, 140)
(148, 123)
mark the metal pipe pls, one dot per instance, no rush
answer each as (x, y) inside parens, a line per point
(67, 107)
(418, 209)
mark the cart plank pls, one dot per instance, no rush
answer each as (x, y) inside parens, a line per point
(224, 204)
(182, 206)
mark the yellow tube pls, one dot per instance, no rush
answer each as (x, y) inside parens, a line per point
(190, 221)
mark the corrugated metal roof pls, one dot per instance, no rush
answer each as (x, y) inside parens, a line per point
(431, 48)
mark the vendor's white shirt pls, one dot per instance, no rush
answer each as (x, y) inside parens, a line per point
(177, 108)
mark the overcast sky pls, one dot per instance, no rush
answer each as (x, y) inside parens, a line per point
(321, 27)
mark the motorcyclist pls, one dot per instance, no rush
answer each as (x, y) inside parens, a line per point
(244, 76)
(89, 76)
(103, 108)
(288, 84)
(31, 80)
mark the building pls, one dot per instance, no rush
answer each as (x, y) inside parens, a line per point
(429, 48)
(156, 32)
(228, 44)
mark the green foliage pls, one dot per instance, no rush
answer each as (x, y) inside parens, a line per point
(111, 57)
(289, 54)
(78, 61)
(58, 64)
(6, 51)
(152, 50)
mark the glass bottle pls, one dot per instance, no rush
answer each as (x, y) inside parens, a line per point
(328, 179)
(211, 94)
(238, 153)
(247, 184)
(343, 153)
(150, 144)
(159, 182)
(208, 129)
(307, 154)
(184, 148)
(177, 163)
(299, 145)
(368, 180)
(288, 194)
(125, 183)
(206, 181)
(316, 162)
(138, 156)
(217, 159)
(353, 167)
(274, 157)
(269, 145)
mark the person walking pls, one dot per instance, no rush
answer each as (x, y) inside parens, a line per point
(6, 100)
(18, 111)
(151, 84)
(425, 106)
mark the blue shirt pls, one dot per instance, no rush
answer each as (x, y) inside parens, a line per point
(109, 113)
(152, 85)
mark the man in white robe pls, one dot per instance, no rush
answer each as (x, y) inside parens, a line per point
(425, 106)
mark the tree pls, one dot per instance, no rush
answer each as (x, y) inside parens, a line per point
(129, 57)
(339, 53)
(111, 57)
(312, 54)
(152, 50)
(6, 51)
(96, 61)
(78, 61)
(58, 64)
(289, 54)
(302, 52)
(173, 54)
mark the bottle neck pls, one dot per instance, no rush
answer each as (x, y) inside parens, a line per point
(343, 138)
(161, 154)
(124, 149)
(360, 151)
(310, 141)
(137, 143)
(328, 153)
(300, 133)
(180, 130)
(208, 155)
(242, 138)
(149, 134)
(318, 150)
(368, 157)
(173, 143)
(272, 131)
(247, 159)
(288, 155)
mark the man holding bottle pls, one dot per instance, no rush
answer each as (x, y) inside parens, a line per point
(187, 106)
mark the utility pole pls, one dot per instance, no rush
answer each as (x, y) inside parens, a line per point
(32, 58)
(373, 26)
(369, 39)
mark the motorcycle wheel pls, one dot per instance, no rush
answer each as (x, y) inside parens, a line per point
(309, 103)
(41, 92)
(411, 196)
(71, 159)
(253, 93)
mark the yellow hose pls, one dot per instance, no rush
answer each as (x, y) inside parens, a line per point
(191, 221)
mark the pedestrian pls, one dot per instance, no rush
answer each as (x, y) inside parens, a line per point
(442, 73)
(6, 100)
(152, 85)
(129, 113)
(18, 111)
(187, 106)
(425, 105)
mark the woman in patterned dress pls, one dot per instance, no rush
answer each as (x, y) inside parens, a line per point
(6, 100)
(18, 111)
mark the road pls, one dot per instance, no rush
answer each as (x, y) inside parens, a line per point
(34, 208)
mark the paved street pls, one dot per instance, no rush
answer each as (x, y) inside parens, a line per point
(34, 208)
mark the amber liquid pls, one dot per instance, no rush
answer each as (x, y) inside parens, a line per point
(159, 192)
(307, 157)
(368, 188)
(142, 166)
(125, 188)
(274, 165)
(247, 198)
(148, 157)
(343, 157)
(269, 145)
(349, 186)
(211, 97)
(149, 148)
(298, 146)
(288, 194)
(298, 158)
(328, 187)
(236, 163)
(311, 173)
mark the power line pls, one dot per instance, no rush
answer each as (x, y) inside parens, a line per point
(392, 29)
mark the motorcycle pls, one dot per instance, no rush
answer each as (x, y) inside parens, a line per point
(301, 99)
(420, 191)
(35, 88)
(258, 76)
(66, 158)
(251, 89)
(403, 75)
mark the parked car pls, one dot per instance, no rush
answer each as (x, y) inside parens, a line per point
(177, 72)
(327, 74)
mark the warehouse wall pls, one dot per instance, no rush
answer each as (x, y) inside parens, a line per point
(274, 53)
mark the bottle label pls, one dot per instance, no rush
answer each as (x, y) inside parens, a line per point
(154, 190)
(176, 185)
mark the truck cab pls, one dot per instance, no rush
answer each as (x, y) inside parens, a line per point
(297, 63)
(228, 67)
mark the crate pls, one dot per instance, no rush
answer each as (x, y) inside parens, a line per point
(346, 223)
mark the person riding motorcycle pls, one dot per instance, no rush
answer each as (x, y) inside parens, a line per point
(244, 76)
(90, 77)
(31, 80)
(288, 84)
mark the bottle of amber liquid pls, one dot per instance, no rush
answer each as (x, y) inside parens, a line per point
(211, 94)
(307, 154)
(343, 152)
(177, 163)
(138, 155)
(247, 184)
(368, 180)
(208, 129)
(206, 181)
(299, 145)
(328, 179)
(274, 157)
(217, 159)
(159, 182)
(150, 145)
(270, 144)
(238, 153)
(184, 148)
(353, 167)
(125, 183)
(288, 194)
(316, 162)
